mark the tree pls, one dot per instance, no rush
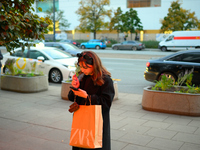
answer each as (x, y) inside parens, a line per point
(179, 19)
(92, 14)
(59, 17)
(131, 22)
(18, 22)
(116, 22)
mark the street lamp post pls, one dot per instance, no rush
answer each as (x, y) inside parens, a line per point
(54, 21)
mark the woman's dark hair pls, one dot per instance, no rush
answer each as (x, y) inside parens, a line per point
(91, 58)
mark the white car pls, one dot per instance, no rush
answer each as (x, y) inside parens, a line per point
(55, 63)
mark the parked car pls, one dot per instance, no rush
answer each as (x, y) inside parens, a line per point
(97, 44)
(55, 63)
(38, 43)
(72, 42)
(132, 45)
(174, 64)
(67, 47)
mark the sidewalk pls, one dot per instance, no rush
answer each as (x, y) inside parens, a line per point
(41, 121)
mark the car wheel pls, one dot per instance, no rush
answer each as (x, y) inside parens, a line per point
(115, 47)
(83, 47)
(55, 76)
(163, 48)
(97, 47)
(134, 48)
(169, 75)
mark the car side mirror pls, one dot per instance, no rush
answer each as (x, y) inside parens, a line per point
(41, 58)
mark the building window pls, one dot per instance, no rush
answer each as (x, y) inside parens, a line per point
(47, 5)
(143, 3)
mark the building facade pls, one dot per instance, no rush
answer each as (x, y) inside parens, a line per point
(151, 12)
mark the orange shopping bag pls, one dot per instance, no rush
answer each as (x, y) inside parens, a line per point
(87, 127)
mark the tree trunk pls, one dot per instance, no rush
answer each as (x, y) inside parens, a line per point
(131, 36)
(94, 34)
(117, 36)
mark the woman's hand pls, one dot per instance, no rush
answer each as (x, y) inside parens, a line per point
(80, 93)
(75, 81)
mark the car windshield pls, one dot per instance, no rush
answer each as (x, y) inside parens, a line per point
(56, 53)
(70, 46)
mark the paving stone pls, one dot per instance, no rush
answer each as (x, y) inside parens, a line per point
(178, 120)
(35, 130)
(130, 128)
(136, 139)
(136, 147)
(165, 144)
(189, 146)
(117, 134)
(56, 135)
(154, 116)
(194, 123)
(189, 138)
(132, 114)
(156, 124)
(182, 128)
(197, 131)
(117, 145)
(161, 133)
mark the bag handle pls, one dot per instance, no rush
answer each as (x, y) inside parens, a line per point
(89, 98)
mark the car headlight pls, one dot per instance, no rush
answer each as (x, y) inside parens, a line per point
(70, 67)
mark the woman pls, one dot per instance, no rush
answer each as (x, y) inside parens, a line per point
(97, 84)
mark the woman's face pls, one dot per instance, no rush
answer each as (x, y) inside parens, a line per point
(87, 70)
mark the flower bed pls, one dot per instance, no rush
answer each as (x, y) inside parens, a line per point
(170, 102)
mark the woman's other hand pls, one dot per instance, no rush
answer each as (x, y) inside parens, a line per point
(80, 93)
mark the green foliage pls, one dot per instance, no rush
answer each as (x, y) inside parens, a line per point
(18, 22)
(185, 78)
(77, 70)
(169, 84)
(116, 22)
(151, 44)
(59, 17)
(192, 89)
(164, 84)
(33, 66)
(92, 14)
(179, 19)
(10, 65)
(131, 22)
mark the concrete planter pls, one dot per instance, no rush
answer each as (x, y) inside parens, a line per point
(66, 88)
(169, 102)
(24, 84)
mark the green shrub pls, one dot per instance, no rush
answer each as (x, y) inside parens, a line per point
(151, 44)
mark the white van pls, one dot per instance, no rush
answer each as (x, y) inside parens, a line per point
(181, 40)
